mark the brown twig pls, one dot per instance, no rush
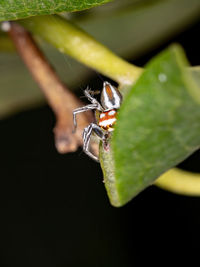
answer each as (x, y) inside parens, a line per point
(61, 100)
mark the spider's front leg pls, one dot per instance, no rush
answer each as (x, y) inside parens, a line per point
(95, 105)
(82, 109)
(91, 98)
(87, 136)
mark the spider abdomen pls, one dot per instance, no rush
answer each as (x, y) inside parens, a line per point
(107, 119)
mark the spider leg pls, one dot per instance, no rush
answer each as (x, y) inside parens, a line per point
(87, 135)
(93, 100)
(82, 109)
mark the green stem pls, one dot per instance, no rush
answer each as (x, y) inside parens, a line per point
(180, 182)
(73, 41)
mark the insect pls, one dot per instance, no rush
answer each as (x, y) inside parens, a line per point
(109, 104)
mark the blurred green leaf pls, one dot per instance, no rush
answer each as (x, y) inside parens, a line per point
(136, 27)
(15, 9)
(158, 126)
(5, 44)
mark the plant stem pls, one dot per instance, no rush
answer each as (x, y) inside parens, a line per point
(61, 100)
(73, 41)
(180, 182)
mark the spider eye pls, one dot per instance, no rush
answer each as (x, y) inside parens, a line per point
(110, 97)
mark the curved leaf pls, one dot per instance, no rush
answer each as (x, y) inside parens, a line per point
(158, 126)
(15, 9)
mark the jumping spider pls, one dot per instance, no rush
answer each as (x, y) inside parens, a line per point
(110, 101)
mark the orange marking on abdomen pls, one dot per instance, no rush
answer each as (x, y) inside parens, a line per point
(107, 119)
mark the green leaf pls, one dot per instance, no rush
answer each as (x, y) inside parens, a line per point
(158, 126)
(17, 9)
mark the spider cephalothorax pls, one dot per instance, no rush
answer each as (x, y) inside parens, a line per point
(110, 103)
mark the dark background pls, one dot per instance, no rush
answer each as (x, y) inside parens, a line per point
(54, 209)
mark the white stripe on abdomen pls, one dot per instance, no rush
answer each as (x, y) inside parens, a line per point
(108, 122)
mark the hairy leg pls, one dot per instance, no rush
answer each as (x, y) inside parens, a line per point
(87, 135)
(93, 100)
(82, 109)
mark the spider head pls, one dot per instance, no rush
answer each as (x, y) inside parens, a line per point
(110, 97)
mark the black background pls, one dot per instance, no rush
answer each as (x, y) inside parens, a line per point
(54, 209)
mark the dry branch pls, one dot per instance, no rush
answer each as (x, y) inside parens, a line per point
(60, 99)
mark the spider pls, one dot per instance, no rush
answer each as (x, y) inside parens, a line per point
(110, 102)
